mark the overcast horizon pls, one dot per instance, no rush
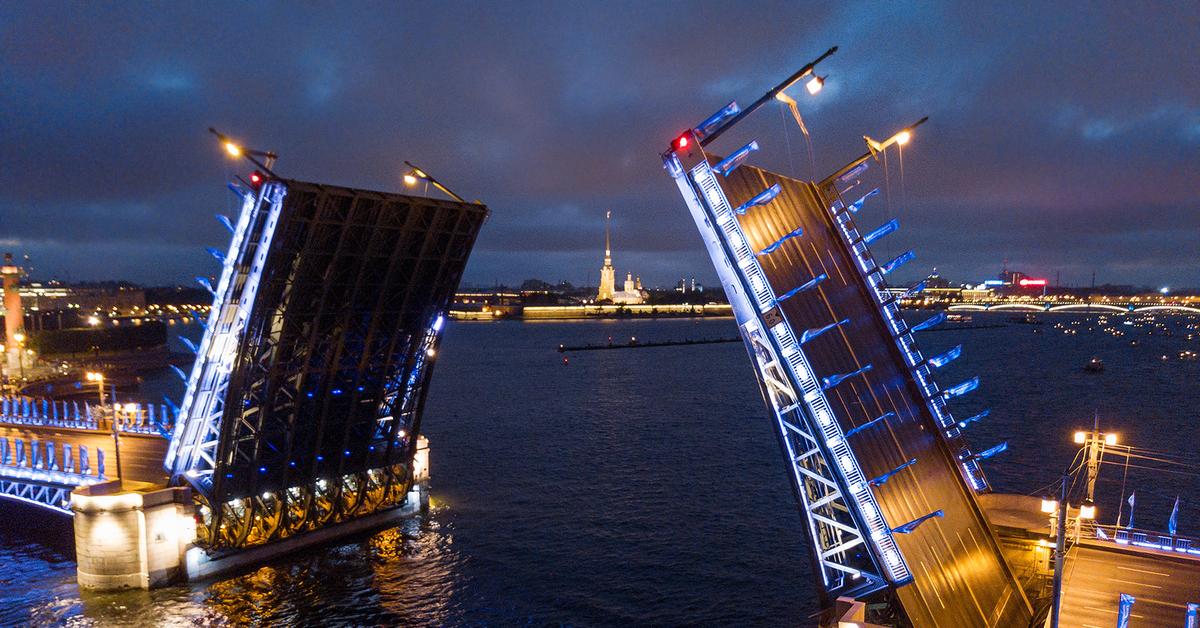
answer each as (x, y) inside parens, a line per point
(1063, 137)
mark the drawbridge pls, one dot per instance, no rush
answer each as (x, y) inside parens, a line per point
(883, 478)
(304, 405)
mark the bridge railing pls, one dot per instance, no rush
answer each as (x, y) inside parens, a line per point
(133, 418)
(39, 475)
(1145, 539)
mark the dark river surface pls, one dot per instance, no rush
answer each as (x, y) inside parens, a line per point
(644, 487)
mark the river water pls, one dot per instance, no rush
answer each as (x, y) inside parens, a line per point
(645, 486)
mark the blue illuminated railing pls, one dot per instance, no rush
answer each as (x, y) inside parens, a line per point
(140, 419)
(35, 474)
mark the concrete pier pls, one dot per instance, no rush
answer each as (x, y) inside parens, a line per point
(143, 536)
(135, 537)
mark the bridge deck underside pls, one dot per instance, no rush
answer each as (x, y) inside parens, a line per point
(960, 577)
(1094, 579)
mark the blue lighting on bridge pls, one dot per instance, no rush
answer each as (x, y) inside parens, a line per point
(961, 389)
(912, 525)
(963, 423)
(223, 219)
(945, 358)
(809, 334)
(809, 285)
(869, 424)
(857, 205)
(913, 290)
(717, 119)
(730, 163)
(930, 322)
(763, 198)
(778, 243)
(881, 480)
(991, 452)
(834, 380)
(883, 230)
(897, 263)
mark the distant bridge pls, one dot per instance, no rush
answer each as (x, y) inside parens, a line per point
(1072, 306)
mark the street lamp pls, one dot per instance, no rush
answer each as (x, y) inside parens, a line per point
(417, 174)
(815, 84)
(1095, 442)
(20, 338)
(99, 379)
(235, 150)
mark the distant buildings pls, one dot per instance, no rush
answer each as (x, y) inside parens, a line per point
(632, 294)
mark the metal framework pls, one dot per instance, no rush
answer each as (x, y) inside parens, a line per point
(304, 405)
(872, 450)
(852, 546)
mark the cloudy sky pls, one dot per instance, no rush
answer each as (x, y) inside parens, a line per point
(1063, 137)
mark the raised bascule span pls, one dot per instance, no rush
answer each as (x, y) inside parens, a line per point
(304, 406)
(883, 478)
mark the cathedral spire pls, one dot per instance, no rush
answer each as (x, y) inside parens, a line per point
(607, 246)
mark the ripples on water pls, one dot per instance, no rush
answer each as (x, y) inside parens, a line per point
(635, 487)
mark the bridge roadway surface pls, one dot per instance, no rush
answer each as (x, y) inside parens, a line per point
(142, 455)
(1095, 576)
(960, 577)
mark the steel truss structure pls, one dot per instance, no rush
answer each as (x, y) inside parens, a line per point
(852, 547)
(875, 458)
(304, 406)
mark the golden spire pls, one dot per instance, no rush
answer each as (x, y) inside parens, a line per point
(607, 247)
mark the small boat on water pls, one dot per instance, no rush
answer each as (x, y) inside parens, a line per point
(1095, 365)
(1028, 319)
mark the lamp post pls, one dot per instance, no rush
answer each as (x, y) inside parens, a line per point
(20, 338)
(99, 379)
(1095, 442)
(238, 151)
(1060, 541)
(417, 174)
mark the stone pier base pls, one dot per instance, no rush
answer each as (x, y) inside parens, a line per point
(132, 538)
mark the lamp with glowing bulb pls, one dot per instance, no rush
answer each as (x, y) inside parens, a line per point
(816, 83)
(235, 150)
(417, 174)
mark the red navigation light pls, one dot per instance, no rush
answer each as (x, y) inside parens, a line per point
(256, 178)
(1033, 282)
(682, 142)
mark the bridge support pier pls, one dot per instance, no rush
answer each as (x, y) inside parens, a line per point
(135, 538)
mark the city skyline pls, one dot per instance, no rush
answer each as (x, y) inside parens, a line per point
(1062, 138)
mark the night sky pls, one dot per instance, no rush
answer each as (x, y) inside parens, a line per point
(1063, 137)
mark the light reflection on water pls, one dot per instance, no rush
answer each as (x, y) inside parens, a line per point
(631, 487)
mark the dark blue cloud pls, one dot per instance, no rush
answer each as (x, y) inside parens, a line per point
(1061, 136)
